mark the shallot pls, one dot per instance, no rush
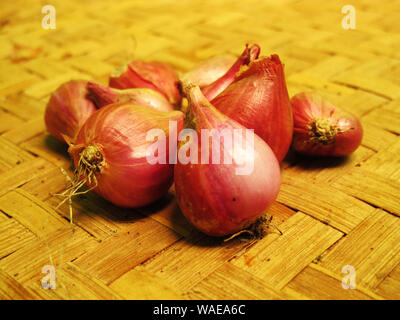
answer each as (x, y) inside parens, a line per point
(110, 154)
(222, 197)
(258, 99)
(323, 129)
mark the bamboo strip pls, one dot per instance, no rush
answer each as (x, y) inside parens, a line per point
(279, 259)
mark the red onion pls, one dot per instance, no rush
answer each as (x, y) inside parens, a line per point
(323, 129)
(110, 154)
(152, 75)
(258, 99)
(215, 198)
(103, 95)
(67, 110)
(247, 56)
(209, 70)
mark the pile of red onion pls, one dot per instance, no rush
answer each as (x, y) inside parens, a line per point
(114, 130)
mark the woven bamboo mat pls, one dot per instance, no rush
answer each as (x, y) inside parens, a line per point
(333, 213)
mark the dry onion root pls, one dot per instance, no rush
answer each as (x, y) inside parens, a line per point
(258, 230)
(89, 164)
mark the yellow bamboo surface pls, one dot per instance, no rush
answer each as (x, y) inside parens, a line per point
(332, 212)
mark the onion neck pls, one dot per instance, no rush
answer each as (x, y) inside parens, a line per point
(323, 131)
(215, 88)
(101, 95)
(192, 92)
(201, 112)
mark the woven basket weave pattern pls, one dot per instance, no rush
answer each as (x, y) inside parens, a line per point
(333, 213)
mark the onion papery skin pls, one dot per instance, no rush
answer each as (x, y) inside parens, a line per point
(344, 134)
(209, 70)
(103, 95)
(213, 197)
(258, 99)
(219, 85)
(67, 110)
(153, 75)
(119, 131)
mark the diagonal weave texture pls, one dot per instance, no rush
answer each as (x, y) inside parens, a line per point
(332, 213)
